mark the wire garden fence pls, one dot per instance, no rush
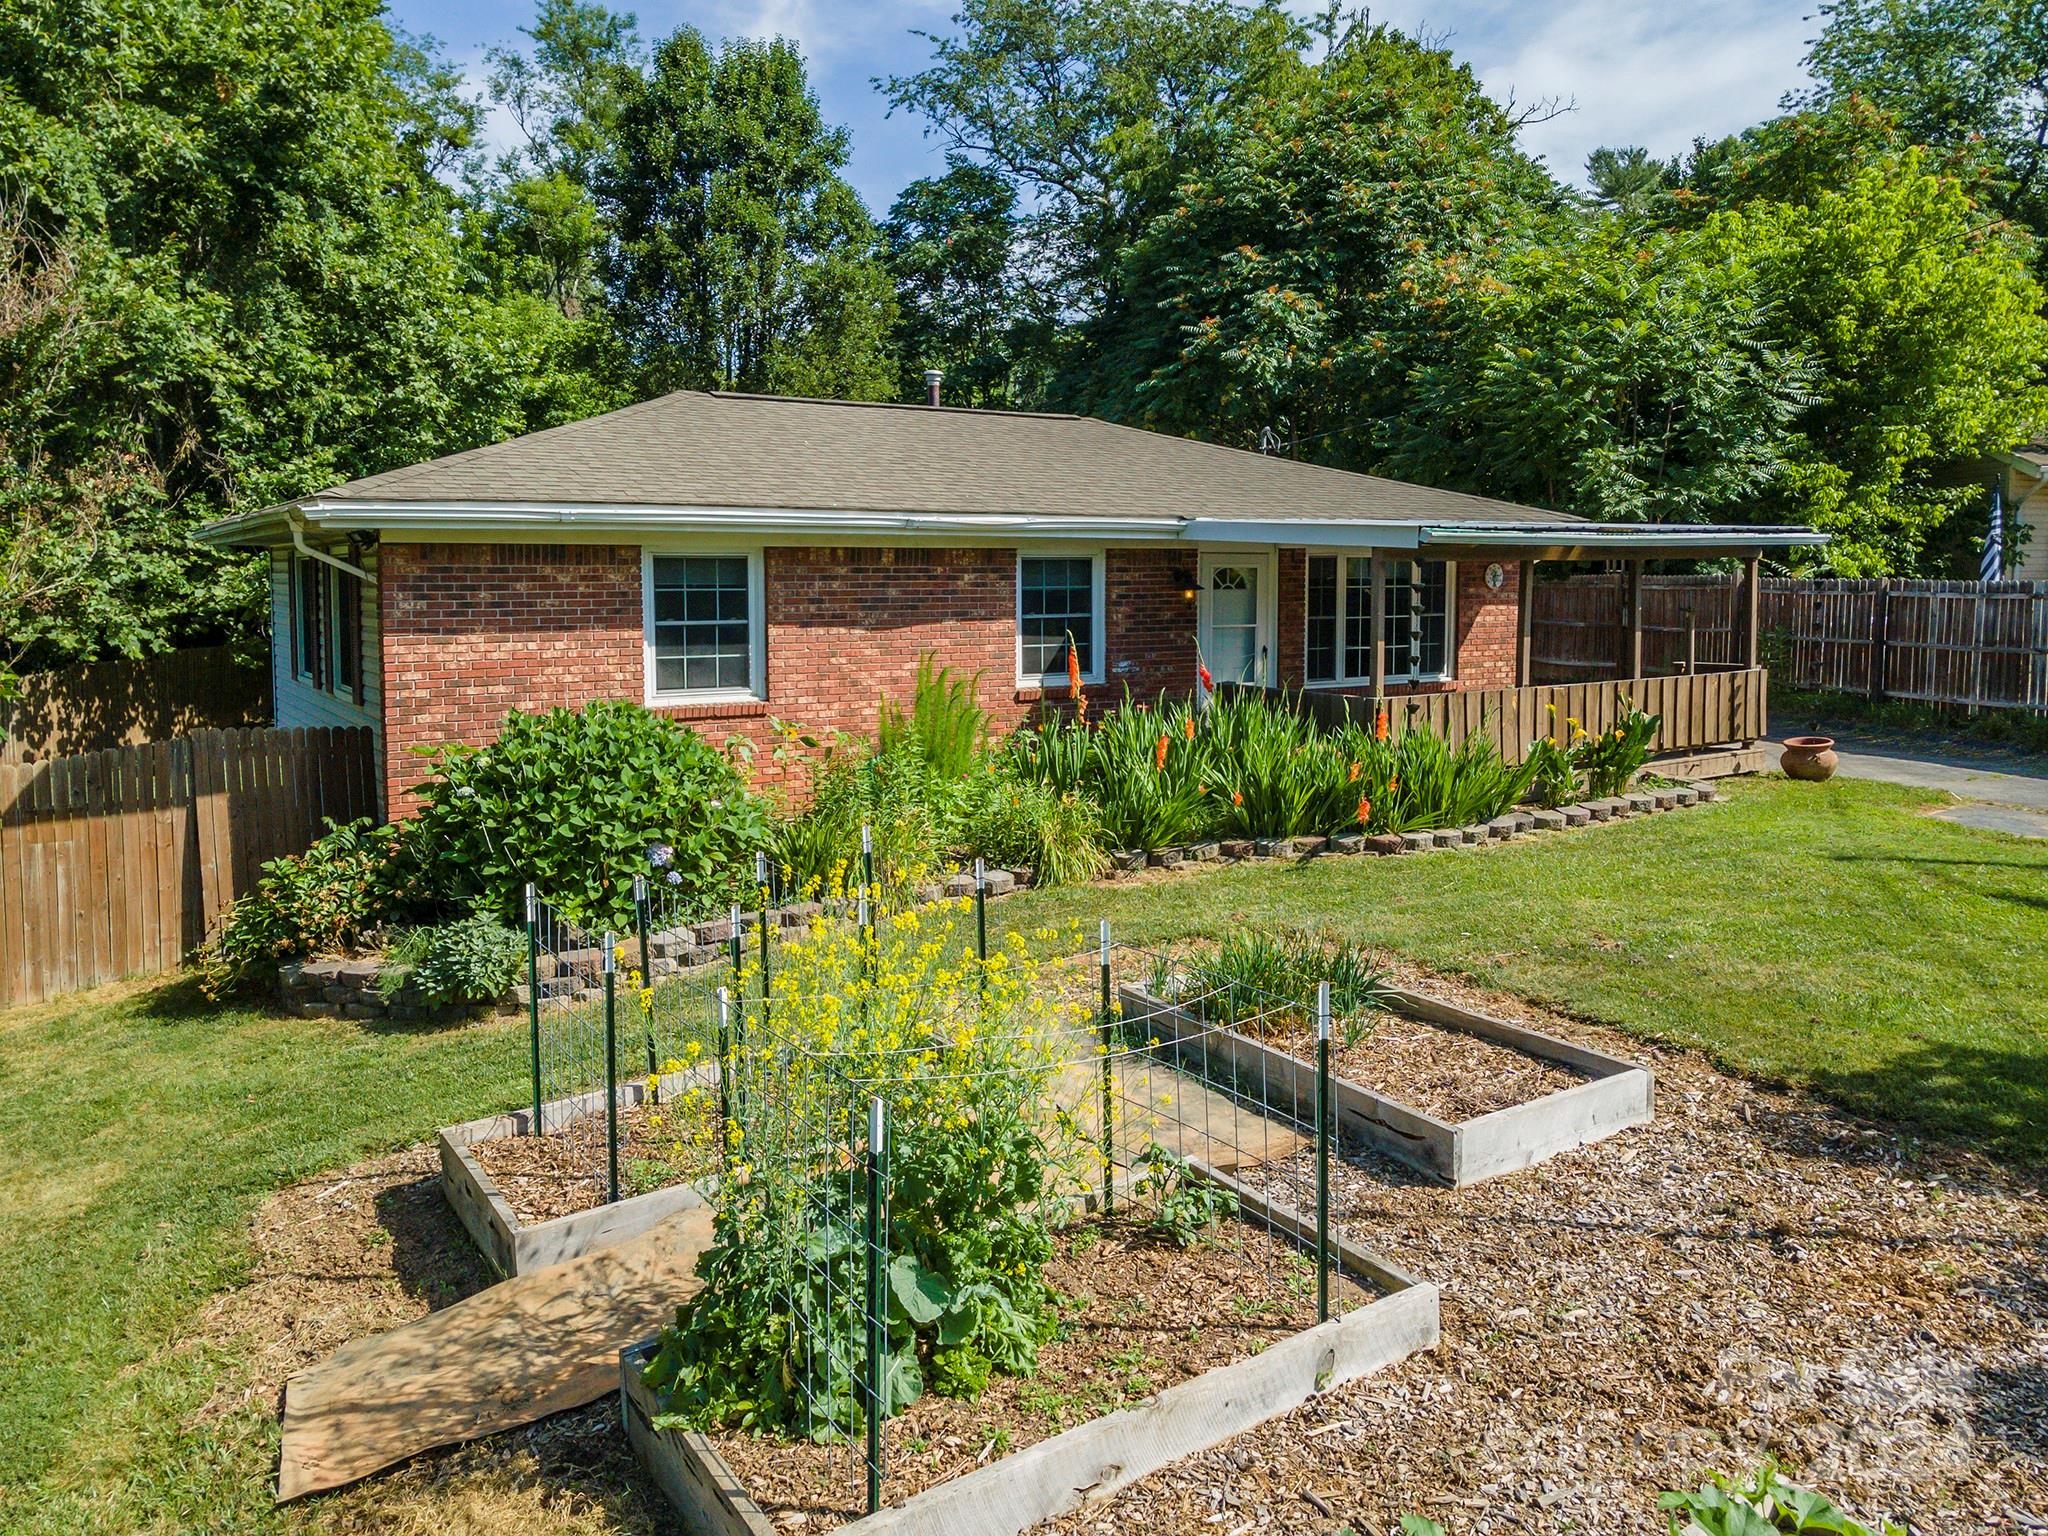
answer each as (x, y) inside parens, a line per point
(948, 1159)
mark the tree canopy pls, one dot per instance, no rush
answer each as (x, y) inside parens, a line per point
(251, 249)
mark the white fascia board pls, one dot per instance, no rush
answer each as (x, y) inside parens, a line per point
(1630, 535)
(586, 518)
(1322, 533)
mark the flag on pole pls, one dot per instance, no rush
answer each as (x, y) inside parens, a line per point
(1991, 565)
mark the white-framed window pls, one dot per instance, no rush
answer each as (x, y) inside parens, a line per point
(1059, 603)
(1421, 613)
(703, 621)
(326, 627)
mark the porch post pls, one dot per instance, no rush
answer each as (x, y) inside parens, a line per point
(1525, 639)
(1635, 618)
(1379, 626)
(1752, 610)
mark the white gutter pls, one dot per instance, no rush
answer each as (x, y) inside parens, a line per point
(299, 543)
(1630, 535)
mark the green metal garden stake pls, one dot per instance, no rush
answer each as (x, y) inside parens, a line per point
(533, 993)
(762, 876)
(981, 921)
(725, 1069)
(1108, 1090)
(878, 1174)
(739, 947)
(867, 878)
(1323, 1134)
(611, 1068)
(646, 978)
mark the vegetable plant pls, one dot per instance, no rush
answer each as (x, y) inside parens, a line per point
(1186, 1209)
(1762, 1505)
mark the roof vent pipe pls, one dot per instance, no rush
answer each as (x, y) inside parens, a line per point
(931, 385)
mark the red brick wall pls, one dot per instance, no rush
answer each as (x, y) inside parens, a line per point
(474, 630)
(1487, 626)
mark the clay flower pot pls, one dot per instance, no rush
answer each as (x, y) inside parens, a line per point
(1811, 758)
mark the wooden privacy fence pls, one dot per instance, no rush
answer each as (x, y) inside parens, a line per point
(128, 703)
(1972, 644)
(119, 862)
(1705, 709)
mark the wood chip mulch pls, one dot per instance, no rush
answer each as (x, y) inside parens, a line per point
(1142, 1315)
(543, 1177)
(1755, 1275)
(1441, 1071)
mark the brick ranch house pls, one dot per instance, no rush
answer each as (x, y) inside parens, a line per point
(730, 559)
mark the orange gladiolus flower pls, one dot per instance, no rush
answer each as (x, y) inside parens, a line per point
(1187, 727)
(1364, 810)
(1394, 785)
(1237, 797)
(1379, 726)
(1159, 757)
(1354, 773)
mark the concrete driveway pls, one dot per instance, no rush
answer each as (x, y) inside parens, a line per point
(2011, 796)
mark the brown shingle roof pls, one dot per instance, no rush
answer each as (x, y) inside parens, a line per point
(691, 449)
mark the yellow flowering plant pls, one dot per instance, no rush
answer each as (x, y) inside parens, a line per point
(974, 1066)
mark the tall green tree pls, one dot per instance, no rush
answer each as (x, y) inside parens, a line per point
(1097, 110)
(1921, 319)
(741, 259)
(961, 303)
(278, 301)
(1968, 75)
(1296, 281)
(1612, 373)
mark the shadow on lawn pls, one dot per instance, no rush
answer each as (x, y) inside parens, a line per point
(1979, 1099)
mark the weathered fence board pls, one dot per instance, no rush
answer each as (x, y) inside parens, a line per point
(118, 862)
(1702, 709)
(129, 703)
(1969, 644)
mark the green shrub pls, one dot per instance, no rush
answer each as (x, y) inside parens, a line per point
(1611, 759)
(579, 802)
(909, 808)
(327, 900)
(471, 960)
(1552, 778)
(1014, 823)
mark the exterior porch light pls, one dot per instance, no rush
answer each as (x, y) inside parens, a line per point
(1185, 580)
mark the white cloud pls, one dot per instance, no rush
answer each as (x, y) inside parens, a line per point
(1650, 74)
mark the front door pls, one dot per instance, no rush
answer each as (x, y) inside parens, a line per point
(1231, 619)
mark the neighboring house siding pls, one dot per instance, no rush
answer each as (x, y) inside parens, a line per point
(297, 701)
(2030, 506)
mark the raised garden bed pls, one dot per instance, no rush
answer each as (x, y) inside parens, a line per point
(1500, 1096)
(1160, 1376)
(550, 1206)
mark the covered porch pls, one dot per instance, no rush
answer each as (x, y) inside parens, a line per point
(1434, 626)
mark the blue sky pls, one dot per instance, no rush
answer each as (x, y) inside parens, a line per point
(1637, 71)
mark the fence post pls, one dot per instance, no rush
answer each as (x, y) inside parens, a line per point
(1108, 1086)
(611, 1068)
(761, 878)
(1323, 1131)
(533, 993)
(646, 980)
(725, 1072)
(877, 1337)
(1881, 639)
(737, 943)
(867, 875)
(981, 921)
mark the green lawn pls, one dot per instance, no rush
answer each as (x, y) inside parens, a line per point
(1830, 936)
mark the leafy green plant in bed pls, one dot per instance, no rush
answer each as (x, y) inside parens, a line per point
(1013, 822)
(1764, 1504)
(1254, 973)
(471, 960)
(967, 1062)
(1610, 759)
(945, 725)
(328, 900)
(1185, 1209)
(574, 800)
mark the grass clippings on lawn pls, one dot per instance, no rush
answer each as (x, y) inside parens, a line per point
(566, 1171)
(1141, 1315)
(1753, 1275)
